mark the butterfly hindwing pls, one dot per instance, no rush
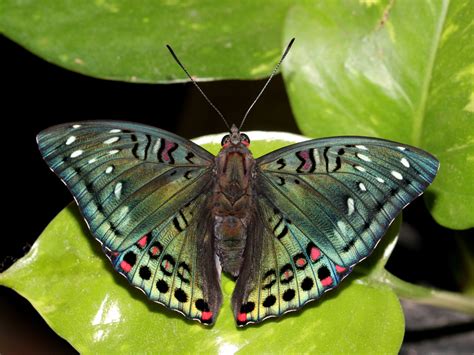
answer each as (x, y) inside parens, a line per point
(289, 269)
(142, 191)
(174, 264)
(323, 206)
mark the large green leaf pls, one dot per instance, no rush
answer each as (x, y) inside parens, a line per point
(125, 40)
(73, 286)
(401, 70)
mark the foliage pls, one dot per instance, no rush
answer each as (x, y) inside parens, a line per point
(399, 70)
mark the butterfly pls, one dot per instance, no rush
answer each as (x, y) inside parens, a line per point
(288, 226)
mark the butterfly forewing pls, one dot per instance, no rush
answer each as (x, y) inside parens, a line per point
(142, 192)
(345, 191)
(324, 205)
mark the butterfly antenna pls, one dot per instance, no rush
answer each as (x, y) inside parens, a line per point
(268, 81)
(197, 86)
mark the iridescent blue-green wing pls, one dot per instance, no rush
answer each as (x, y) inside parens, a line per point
(283, 268)
(325, 204)
(142, 191)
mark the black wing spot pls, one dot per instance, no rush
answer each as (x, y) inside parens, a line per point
(269, 301)
(278, 224)
(114, 229)
(283, 232)
(170, 151)
(247, 307)
(300, 261)
(269, 279)
(167, 265)
(155, 250)
(313, 162)
(148, 142)
(176, 225)
(349, 245)
(286, 274)
(183, 217)
(160, 150)
(326, 159)
(180, 295)
(162, 286)
(130, 258)
(323, 272)
(202, 305)
(282, 162)
(289, 294)
(302, 162)
(297, 182)
(187, 174)
(145, 273)
(281, 182)
(189, 156)
(338, 164)
(307, 284)
(134, 139)
(184, 272)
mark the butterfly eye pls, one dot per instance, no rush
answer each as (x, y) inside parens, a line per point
(225, 140)
(245, 139)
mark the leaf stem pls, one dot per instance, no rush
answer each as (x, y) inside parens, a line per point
(427, 295)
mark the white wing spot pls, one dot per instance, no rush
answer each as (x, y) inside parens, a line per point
(405, 162)
(362, 186)
(76, 153)
(76, 126)
(380, 180)
(350, 206)
(401, 148)
(118, 190)
(92, 161)
(397, 175)
(115, 151)
(109, 169)
(156, 146)
(122, 213)
(70, 140)
(362, 147)
(342, 228)
(115, 131)
(111, 140)
(360, 168)
(316, 157)
(363, 157)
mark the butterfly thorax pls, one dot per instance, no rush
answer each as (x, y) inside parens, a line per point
(232, 204)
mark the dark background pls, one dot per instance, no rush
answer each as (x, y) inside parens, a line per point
(36, 95)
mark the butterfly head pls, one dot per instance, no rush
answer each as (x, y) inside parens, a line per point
(235, 138)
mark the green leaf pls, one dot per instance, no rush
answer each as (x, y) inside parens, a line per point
(401, 70)
(125, 40)
(74, 287)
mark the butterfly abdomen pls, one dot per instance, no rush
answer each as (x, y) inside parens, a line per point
(233, 199)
